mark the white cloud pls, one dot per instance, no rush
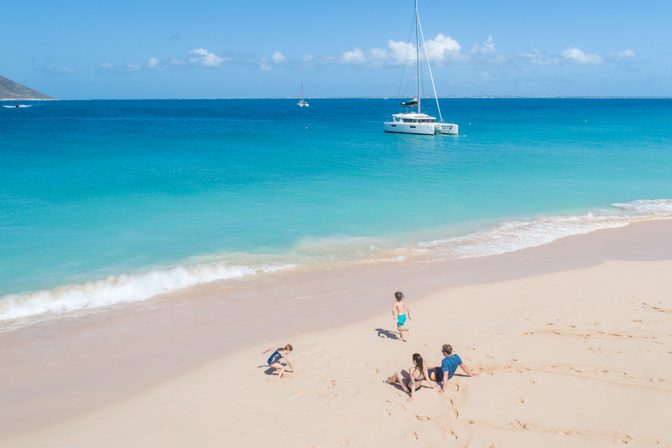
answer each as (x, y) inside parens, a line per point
(155, 64)
(399, 52)
(442, 47)
(488, 77)
(486, 47)
(278, 58)
(308, 58)
(626, 54)
(202, 57)
(109, 67)
(538, 57)
(264, 65)
(578, 56)
(355, 56)
(57, 70)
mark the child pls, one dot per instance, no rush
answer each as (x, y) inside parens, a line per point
(413, 379)
(278, 355)
(400, 313)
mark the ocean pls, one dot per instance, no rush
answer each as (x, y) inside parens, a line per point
(104, 202)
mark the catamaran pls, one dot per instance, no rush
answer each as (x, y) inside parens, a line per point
(419, 122)
(302, 102)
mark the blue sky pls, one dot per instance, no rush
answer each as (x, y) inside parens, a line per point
(206, 49)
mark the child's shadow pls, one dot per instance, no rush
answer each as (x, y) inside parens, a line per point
(269, 370)
(382, 333)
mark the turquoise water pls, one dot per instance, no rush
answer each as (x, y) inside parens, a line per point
(91, 189)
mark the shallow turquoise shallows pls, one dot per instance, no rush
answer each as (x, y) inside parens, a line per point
(91, 189)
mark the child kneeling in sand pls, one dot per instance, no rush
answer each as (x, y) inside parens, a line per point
(280, 354)
(448, 367)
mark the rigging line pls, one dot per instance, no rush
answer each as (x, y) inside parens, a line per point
(429, 67)
(403, 70)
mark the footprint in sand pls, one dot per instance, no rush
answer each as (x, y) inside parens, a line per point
(413, 435)
(423, 418)
(623, 439)
(517, 424)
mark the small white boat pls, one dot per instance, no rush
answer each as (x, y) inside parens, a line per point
(419, 122)
(302, 102)
(18, 106)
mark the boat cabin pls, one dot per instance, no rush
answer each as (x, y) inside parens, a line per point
(413, 118)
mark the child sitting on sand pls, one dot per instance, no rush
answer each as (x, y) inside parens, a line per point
(412, 380)
(448, 367)
(280, 354)
(400, 313)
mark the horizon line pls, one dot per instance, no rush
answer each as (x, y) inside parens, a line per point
(350, 98)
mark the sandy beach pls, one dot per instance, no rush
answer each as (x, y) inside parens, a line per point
(572, 343)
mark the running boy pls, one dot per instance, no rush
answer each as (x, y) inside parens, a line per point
(401, 313)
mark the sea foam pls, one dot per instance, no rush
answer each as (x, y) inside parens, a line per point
(520, 234)
(505, 237)
(121, 289)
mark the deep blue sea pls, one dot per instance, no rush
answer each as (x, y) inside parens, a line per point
(111, 201)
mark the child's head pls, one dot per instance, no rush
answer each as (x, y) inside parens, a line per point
(447, 349)
(399, 296)
(289, 347)
(417, 360)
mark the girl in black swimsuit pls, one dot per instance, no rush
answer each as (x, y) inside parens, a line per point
(412, 380)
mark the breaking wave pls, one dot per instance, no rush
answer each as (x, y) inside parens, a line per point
(505, 237)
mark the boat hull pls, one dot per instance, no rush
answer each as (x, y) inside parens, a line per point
(447, 128)
(409, 128)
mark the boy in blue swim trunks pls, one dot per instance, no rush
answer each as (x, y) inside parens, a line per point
(401, 313)
(448, 367)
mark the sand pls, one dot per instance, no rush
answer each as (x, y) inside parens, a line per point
(572, 343)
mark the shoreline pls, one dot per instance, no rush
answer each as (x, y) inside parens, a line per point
(92, 362)
(19, 308)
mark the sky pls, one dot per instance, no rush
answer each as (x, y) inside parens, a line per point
(82, 49)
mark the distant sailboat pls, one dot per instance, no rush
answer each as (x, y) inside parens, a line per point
(418, 122)
(18, 106)
(302, 102)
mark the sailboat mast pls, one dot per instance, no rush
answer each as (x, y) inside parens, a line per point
(417, 50)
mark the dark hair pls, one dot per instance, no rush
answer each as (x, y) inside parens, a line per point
(419, 363)
(289, 347)
(398, 295)
(447, 348)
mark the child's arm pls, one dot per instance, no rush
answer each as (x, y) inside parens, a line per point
(289, 363)
(268, 350)
(408, 311)
(431, 383)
